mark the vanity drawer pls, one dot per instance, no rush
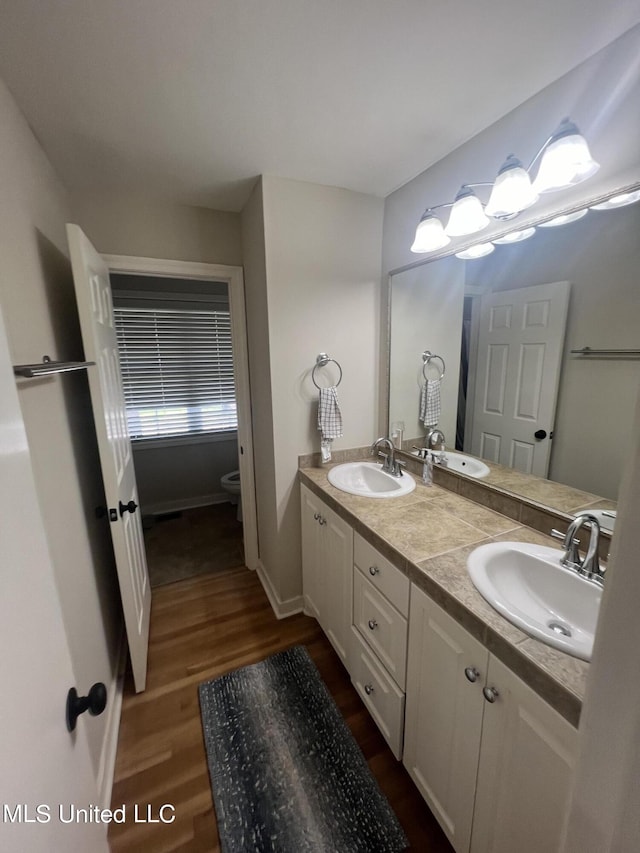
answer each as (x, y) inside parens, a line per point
(384, 701)
(383, 628)
(382, 574)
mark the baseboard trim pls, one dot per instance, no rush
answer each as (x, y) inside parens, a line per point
(110, 743)
(282, 609)
(163, 507)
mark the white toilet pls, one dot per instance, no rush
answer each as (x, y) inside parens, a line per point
(231, 483)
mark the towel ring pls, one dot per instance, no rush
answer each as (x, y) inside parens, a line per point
(321, 361)
(427, 357)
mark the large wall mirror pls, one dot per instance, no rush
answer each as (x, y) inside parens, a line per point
(504, 326)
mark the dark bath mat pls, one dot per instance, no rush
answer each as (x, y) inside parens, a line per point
(286, 774)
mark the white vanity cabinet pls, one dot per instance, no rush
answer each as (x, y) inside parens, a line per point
(380, 612)
(327, 566)
(491, 758)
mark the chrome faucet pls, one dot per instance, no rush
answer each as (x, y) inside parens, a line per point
(434, 439)
(390, 465)
(589, 567)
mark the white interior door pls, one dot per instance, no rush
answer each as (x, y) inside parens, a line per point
(42, 763)
(520, 342)
(95, 307)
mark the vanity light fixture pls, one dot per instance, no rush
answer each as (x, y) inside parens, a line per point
(618, 201)
(467, 215)
(565, 160)
(430, 234)
(565, 218)
(480, 250)
(512, 190)
(514, 237)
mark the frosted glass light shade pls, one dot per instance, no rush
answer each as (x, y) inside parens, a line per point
(618, 201)
(467, 215)
(429, 234)
(515, 236)
(564, 219)
(566, 161)
(477, 251)
(512, 190)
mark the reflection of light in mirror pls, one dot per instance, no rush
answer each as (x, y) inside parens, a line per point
(515, 236)
(618, 201)
(477, 251)
(564, 219)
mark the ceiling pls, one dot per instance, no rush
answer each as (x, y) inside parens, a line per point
(190, 100)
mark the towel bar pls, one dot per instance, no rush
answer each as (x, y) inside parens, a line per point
(427, 357)
(589, 351)
(46, 367)
(321, 361)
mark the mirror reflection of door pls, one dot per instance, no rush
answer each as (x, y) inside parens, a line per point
(511, 408)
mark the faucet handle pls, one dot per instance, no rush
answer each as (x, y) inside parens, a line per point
(558, 534)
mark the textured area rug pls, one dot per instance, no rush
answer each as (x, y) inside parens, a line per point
(287, 775)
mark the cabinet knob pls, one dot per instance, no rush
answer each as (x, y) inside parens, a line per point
(490, 694)
(368, 689)
(316, 516)
(373, 571)
(322, 521)
(471, 674)
(372, 624)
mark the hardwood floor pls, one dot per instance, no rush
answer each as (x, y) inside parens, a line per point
(202, 628)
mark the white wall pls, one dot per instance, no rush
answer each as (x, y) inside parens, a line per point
(36, 291)
(183, 475)
(148, 228)
(322, 260)
(605, 810)
(257, 310)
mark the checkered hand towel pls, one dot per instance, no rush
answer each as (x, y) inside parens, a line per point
(329, 420)
(430, 407)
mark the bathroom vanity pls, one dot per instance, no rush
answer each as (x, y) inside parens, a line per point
(483, 716)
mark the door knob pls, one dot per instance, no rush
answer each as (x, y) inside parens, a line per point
(490, 694)
(131, 507)
(540, 434)
(94, 703)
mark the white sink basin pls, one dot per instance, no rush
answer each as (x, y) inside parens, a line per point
(529, 587)
(369, 480)
(464, 464)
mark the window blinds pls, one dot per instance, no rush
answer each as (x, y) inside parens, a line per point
(177, 371)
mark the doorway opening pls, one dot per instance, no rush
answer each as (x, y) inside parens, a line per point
(183, 351)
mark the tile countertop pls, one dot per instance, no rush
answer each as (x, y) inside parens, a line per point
(428, 535)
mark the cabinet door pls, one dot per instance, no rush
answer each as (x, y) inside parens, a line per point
(526, 766)
(335, 576)
(443, 718)
(312, 588)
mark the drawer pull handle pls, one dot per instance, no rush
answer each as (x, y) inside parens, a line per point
(368, 689)
(490, 694)
(471, 673)
(373, 571)
(372, 624)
